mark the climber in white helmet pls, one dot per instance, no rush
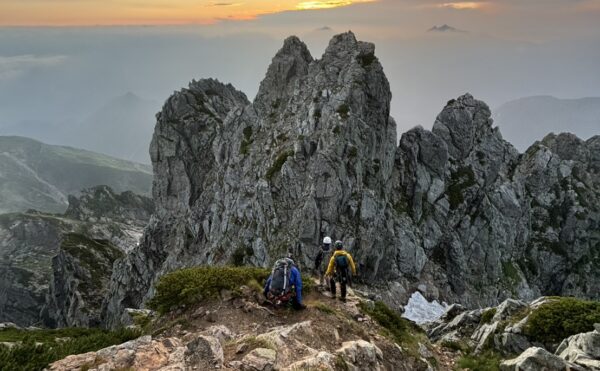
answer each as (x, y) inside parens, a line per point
(320, 258)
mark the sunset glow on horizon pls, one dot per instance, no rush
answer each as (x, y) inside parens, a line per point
(149, 12)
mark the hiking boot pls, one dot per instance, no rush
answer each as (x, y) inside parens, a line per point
(343, 300)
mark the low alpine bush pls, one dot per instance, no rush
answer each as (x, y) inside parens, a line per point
(560, 318)
(400, 329)
(190, 286)
(36, 349)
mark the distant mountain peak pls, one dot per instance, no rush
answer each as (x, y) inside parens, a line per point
(444, 28)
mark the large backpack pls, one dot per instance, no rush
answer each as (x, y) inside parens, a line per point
(341, 264)
(280, 287)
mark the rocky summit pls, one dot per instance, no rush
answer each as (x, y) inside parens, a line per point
(456, 212)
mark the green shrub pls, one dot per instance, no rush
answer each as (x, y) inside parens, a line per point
(366, 60)
(460, 180)
(456, 346)
(560, 318)
(487, 361)
(400, 329)
(344, 111)
(278, 164)
(35, 350)
(189, 286)
(486, 316)
(324, 308)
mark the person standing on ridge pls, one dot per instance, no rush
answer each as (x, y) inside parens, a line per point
(339, 268)
(324, 251)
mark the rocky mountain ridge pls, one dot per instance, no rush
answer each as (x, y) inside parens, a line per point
(35, 175)
(55, 269)
(456, 212)
(550, 333)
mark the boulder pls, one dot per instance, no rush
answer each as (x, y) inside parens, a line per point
(582, 349)
(361, 355)
(259, 359)
(507, 308)
(204, 352)
(538, 359)
(322, 361)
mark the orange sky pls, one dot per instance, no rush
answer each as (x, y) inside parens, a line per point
(155, 12)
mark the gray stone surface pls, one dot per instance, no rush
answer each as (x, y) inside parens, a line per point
(537, 359)
(55, 269)
(582, 349)
(455, 210)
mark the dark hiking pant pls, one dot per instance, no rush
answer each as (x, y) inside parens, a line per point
(342, 278)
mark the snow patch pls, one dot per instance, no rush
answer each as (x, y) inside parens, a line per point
(419, 310)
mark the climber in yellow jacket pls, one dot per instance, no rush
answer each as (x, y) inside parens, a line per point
(339, 268)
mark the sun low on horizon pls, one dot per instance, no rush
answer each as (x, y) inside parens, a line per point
(149, 12)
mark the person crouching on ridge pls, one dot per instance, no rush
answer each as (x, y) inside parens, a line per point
(339, 268)
(284, 285)
(321, 256)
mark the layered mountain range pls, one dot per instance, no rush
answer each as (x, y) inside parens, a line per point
(35, 175)
(456, 212)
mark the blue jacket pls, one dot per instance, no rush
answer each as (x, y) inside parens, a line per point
(295, 282)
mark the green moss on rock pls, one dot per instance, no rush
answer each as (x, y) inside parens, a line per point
(460, 180)
(344, 111)
(278, 164)
(486, 316)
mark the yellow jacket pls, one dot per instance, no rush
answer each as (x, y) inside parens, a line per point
(331, 266)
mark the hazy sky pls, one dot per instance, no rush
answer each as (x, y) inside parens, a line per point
(145, 12)
(509, 49)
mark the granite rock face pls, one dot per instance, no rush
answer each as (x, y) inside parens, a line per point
(456, 212)
(55, 269)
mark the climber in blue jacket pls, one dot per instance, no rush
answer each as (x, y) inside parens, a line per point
(284, 285)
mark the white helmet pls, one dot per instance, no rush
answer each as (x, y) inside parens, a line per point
(327, 240)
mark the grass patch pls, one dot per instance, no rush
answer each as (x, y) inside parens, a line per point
(460, 180)
(456, 346)
(278, 164)
(511, 272)
(190, 286)
(400, 329)
(560, 318)
(486, 316)
(254, 342)
(340, 363)
(322, 307)
(487, 361)
(37, 349)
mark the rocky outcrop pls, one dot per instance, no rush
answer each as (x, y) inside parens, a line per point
(317, 342)
(456, 212)
(101, 204)
(507, 330)
(582, 349)
(55, 269)
(538, 359)
(35, 175)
